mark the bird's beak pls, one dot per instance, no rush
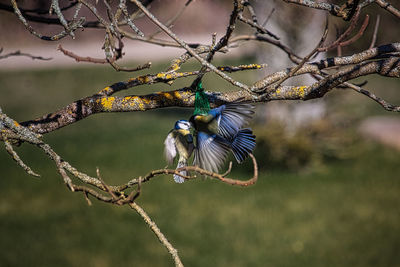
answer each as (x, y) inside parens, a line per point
(184, 132)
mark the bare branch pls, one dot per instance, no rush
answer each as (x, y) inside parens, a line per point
(387, 106)
(55, 6)
(116, 196)
(117, 24)
(345, 11)
(19, 53)
(82, 59)
(387, 6)
(386, 67)
(353, 24)
(153, 226)
(104, 102)
(188, 49)
(101, 61)
(306, 58)
(122, 6)
(17, 159)
(170, 22)
(254, 21)
(72, 27)
(359, 34)
(374, 35)
(236, 12)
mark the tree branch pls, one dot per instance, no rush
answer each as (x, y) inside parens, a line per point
(188, 49)
(153, 226)
(19, 53)
(104, 102)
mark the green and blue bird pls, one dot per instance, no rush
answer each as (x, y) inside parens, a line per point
(220, 131)
(217, 133)
(179, 141)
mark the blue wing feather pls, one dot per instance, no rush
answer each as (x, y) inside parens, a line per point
(210, 152)
(243, 144)
(212, 149)
(232, 117)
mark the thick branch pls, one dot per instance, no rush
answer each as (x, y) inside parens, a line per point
(104, 102)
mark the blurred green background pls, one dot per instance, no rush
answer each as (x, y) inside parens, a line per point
(340, 209)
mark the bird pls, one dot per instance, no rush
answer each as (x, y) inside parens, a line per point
(220, 131)
(179, 141)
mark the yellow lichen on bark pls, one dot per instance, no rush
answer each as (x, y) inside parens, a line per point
(146, 100)
(177, 95)
(107, 102)
(141, 79)
(301, 91)
(168, 96)
(104, 90)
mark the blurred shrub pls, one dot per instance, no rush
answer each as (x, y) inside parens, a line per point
(303, 148)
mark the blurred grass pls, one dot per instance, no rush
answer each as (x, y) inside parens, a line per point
(346, 214)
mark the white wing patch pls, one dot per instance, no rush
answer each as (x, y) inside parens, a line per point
(169, 149)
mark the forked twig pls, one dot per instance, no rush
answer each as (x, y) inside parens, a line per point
(187, 48)
(306, 58)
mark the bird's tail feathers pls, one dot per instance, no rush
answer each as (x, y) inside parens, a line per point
(243, 144)
(179, 179)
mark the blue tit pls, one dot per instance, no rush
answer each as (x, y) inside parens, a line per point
(179, 140)
(221, 131)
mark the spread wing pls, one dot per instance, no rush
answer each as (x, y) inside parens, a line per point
(234, 117)
(210, 152)
(169, 148)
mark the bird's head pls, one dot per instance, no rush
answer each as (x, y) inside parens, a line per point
(193, 119)
(182, 125)
(200, 118)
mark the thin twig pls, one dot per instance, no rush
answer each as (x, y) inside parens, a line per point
(19, 53)
(254, 21)
(335, 10)
(161, 237)
(101, 61)
(122, 5)
(375, 34)
(185, 46)
(73, 26)
(17, 159)
(56, 7)
(306, 58)
(353, 24)
(170, 22)
(359, 34)
(268, 17)
(81, 59)
(387, 106)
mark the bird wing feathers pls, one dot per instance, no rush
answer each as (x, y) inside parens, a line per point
(210, 152)
(243, 144)
(170, 149)
(233, 117)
